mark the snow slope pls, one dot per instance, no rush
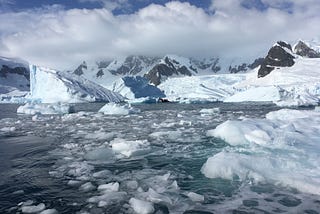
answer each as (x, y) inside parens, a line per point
(50, 86)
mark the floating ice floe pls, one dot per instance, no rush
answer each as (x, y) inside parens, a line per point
(141, 207)
(283, 149)
(127, 148)
(33, 208)
(42, 108)
(117, 109)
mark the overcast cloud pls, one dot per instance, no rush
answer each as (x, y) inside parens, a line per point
(61, 38)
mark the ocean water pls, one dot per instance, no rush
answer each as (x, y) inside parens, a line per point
(88, 162)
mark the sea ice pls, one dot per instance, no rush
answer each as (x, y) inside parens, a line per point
(141, 207)
(195, 197)
(110, 187)
(283, 149)
(49, 211)
(40, 108)
(117, 109)
(33, 209)
(128, 148)
(87, 187)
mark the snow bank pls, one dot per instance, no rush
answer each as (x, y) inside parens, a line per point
(117, 109)
(284, 149)
(32, 108)
(50, 86)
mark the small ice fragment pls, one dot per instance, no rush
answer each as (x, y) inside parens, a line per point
(87, 187)
(74, 183)
(49, 211)
(33, 209)
(110, 187)
(195, 197)
(102, 174)
(18, 192)
(132, 185)
(141, 207)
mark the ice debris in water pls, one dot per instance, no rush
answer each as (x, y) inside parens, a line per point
(117, 109)
(42, 108)
(110, 187)
(283, 149)
(127, 148)
(141, 207)
(33, 209)
(49, 211)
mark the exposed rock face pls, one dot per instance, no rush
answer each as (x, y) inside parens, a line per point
(5, 70)
(212, 64)
(245, 67)
(80, 70)
(280, 55)
(14, 75)
(133, 65)
(168, 68)
(304, 50)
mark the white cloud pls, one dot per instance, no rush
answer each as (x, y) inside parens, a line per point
(63, 38)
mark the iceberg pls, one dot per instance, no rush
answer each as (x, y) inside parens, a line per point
(51, 86)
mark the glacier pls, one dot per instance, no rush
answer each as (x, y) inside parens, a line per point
(51, 86)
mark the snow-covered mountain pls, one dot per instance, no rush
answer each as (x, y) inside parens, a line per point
(286, 77)
(157, 69)
(14, 78)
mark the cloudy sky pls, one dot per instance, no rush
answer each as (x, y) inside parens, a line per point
(62, 33)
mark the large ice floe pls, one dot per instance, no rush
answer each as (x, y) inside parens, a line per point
(50, 86)
(283, 148)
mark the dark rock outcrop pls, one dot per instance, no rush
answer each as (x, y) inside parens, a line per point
(245, 67)
(100, 73)
(133, 65)
(166, 69)
(5, 70)
(304, 50)
(80, 70)
(280, 55)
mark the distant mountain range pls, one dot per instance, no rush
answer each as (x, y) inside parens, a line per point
(139, 76)
(157, 69)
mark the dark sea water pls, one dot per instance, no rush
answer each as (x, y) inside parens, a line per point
(60, 161)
